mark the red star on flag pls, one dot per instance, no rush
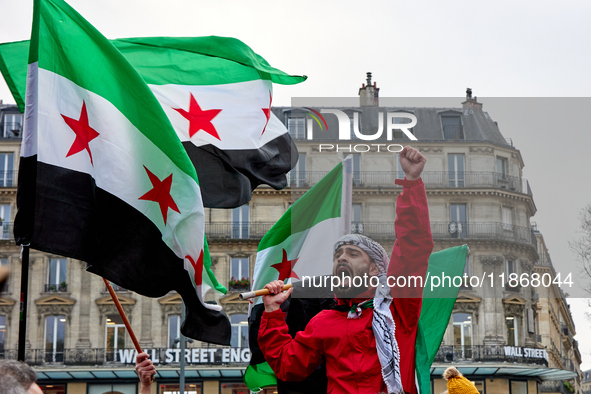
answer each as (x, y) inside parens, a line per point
(199, 119)
(84, 133)
(285, 268)
(160, 193)
(198, 267)
(267, 112)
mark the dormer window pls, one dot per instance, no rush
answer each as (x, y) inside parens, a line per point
(452, 126)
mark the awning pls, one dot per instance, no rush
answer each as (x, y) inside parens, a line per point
(98, 374)
(517, 370)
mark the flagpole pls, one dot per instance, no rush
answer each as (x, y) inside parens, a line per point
(183, 346)
(122, 314)
(347, 196)
(22, 323)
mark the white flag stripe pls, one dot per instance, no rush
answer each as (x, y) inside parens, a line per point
(117, 169)
(241, 121)
(312, 248)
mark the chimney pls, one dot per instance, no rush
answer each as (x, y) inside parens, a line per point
(471, 102)
(369, 93)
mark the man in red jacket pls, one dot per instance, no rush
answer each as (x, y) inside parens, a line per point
(368, 340)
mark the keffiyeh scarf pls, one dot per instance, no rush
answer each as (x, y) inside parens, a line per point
(383, 325)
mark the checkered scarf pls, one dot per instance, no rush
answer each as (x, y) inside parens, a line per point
(383, 325)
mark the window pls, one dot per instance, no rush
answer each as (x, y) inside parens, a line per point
(190, 388)
(174, 331)
(296, 127)
(114, 337)
(115, 287)
(2, 335)
(507, 219)
(298, 173)
(455, 165)
(5, 219)
(457, 213)
(55, 335)
(356, 169)
(462, 323)
(7, 171)
(357, 216)
(510, 268)
(466, 274)
(480, 386)
(518, 387)
(240, 220)
(239, 330)
(110, 388)
(12, 125)
(452, 127)
(399, 170)
(239, 271)
(399, 134)
(56, 275)
(53, 389)
(512, 338)
(501, 169)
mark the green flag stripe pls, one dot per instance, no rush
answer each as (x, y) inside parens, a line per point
(82, 60)
(221, 60)
(435, 311)
(321, 202)
(13, 66)
(153, 56)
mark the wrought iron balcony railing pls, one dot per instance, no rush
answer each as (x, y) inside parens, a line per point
(440, 230)
(8, 178)
(56, 288)
(233, 230)
(432, 179)
(11, 129)
(482, 353)
(6, 231)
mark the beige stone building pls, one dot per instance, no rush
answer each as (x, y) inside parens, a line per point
(506, 338)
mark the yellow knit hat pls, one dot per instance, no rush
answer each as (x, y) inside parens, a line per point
(457, 383)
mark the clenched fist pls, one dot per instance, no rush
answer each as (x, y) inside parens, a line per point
(412, 163)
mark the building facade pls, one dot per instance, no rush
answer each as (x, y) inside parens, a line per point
(505, 337)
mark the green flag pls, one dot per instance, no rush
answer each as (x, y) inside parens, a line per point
(438, 304)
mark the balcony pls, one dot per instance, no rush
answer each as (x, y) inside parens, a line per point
(490, 230)
(440, 231)
(482, 353)
(56, 288)
(432, 180)
(232, 230)
(8, 178)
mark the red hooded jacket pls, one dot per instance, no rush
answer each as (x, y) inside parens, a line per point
(348, 345)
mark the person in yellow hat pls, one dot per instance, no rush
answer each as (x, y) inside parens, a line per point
(457, 383)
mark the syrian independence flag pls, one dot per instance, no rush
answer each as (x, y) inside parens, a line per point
(436, 311)
(304, 235)
(217, 93)
(292, 248)
(103, 177)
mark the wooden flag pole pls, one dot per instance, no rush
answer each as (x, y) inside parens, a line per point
(262, 292)
(122, 314)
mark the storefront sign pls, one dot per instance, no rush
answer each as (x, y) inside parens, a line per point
(192, 356)
(515, 351)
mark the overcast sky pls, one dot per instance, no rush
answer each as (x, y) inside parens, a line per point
(414, 49)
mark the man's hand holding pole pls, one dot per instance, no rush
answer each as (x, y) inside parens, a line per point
(274, 300)
(145, 371)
